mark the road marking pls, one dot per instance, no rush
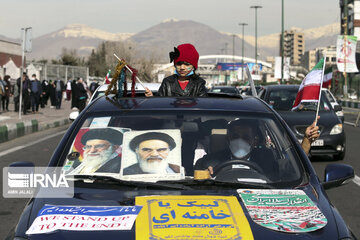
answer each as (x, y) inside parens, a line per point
(350, 123)
(14, 149)
(356, 180)
(4, 118)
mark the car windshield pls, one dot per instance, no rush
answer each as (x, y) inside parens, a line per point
(329, 96)
(157, 146)
(99, 93)
(283, 100)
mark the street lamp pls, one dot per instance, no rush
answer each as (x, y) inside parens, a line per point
(242, 52)
(25, 48)
(233, 55)
(256, 7)
(282, 42)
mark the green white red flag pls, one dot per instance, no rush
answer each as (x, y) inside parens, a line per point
(309, 89)
(107, 77)
(327, 77)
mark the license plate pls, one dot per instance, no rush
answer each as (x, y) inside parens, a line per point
(319, 142)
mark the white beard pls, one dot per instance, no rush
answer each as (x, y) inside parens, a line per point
(92, 163)
(153, 166)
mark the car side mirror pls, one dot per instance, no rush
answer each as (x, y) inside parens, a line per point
(337, 175)
(73, 115)
(337, 108)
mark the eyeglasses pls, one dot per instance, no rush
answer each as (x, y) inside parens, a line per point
(97, 146)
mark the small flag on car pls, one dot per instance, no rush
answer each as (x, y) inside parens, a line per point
(107, 80)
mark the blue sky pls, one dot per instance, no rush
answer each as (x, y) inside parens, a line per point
(133, 16)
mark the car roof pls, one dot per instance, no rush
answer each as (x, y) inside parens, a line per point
(247, 104)
(223, 87)
(103, 87)
(151, 86)
(281, 87)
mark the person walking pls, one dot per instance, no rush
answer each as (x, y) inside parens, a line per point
(26, 91)
(81, 94)
(2, 92)
(16, 94)
(36, 92)
(68, 90)
(45, 93)
(59, 89)
(6, 97)
(74, 93)
(52, 94)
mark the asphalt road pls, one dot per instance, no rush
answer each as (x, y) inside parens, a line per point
(24, 149)
(39, 147)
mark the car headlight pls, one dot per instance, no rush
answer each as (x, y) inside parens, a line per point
(337, 129)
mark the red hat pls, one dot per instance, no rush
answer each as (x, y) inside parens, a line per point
(186, 53)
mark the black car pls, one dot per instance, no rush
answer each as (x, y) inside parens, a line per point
(225, 90)
(273, 193)
(332, 139)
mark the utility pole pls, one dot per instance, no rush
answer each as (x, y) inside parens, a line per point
(256, 7)
(345, 47)
(25, 48)
(242, 51)
(282, 42)
(233, 55)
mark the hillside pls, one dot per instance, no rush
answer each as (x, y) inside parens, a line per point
(161, 38)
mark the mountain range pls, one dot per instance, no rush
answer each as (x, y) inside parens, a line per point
(160, 39)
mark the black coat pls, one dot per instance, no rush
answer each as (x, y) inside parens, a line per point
(170, 87)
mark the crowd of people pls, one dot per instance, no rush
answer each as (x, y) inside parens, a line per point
(39, 94)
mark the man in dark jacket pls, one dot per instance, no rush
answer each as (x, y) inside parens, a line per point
(81, 94)
(26, 91)
(185, 82)
(59, 89)
(36, 92)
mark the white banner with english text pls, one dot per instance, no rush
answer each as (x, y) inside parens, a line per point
(84, 218)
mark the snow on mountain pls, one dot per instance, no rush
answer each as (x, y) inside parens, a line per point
(84, 31)
(168, 34)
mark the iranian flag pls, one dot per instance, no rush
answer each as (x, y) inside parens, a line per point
(327, 77)
(309, 89)
(107, 80)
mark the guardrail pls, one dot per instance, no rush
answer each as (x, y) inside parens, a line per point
(351, 104)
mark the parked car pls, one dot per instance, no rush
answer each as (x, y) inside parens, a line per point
(352, 94)
(336, 106)
(225, 89)
(273, 194)
(246, 90)
(332, 139)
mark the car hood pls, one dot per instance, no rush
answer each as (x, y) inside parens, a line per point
(119, 197)
(303, 119)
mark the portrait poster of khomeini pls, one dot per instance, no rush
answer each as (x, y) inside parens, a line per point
(152, 154)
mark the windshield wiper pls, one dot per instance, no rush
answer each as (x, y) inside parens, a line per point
(211, 182)
(135, 184)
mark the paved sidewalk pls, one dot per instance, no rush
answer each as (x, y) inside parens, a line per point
(12, 127)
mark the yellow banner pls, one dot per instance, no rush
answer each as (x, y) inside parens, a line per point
(191, 217)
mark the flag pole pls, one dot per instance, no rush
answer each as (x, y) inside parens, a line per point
(321, 83)
(131, 72)
(251, 82)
